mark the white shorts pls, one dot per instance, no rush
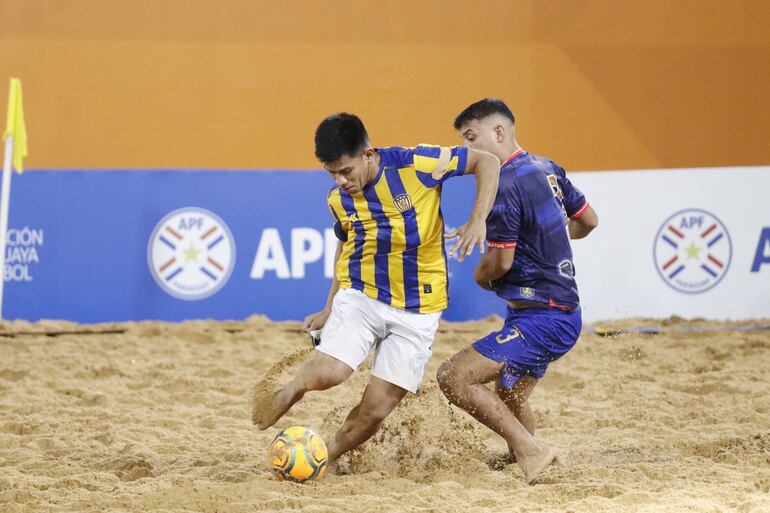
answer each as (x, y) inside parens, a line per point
(401, 340)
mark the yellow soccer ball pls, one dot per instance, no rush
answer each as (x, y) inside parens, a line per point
(297, 454)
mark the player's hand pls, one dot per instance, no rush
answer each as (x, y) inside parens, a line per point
(316, 321)
(468, 235)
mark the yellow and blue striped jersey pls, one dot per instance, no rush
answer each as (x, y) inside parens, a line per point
(393, 231)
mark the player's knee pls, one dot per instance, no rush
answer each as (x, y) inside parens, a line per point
(373, 415)
(448, 380)
(444, 376)
(378, 415)
(324, 378)
(321, 373)
(332, 378)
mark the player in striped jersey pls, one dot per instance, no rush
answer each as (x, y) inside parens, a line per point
(391, 270)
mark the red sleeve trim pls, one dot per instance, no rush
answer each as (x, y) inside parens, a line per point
(581, 211)
(501, 245)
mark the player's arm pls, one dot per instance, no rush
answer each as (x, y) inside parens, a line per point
(317, 320)
(583, 222)
(486, 168)
(492, 265)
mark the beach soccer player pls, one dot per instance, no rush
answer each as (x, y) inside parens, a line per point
(529, 265)
(390, 285)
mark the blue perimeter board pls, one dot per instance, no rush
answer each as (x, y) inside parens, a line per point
(90, 232)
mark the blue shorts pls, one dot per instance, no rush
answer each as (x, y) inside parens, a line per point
(530, 339)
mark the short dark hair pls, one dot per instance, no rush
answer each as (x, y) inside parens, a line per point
(340, 134)
(482, 109)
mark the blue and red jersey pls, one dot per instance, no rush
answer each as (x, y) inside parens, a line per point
(534, 202)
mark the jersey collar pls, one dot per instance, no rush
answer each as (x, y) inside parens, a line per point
(513, 155)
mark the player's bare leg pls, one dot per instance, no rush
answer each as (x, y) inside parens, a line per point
(319, 373)
(516, 399)
(462, 380)
(331, 466)
(379, 400)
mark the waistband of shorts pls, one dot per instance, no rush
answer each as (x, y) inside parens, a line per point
(521, 304)
(533, 307)
(352, 290)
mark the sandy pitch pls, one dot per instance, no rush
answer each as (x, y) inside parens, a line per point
(158, 419)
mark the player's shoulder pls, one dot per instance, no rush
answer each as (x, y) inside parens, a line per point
(335, 189)
(546, 164)
(396, 156)
(523, 173)
(532, 168)
(407, 156)
(427, 150)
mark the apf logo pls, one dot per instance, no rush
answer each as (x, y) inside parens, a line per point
(692, 251)
(191, 253)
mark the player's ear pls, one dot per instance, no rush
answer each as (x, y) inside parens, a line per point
(368, 154)
(499, 134)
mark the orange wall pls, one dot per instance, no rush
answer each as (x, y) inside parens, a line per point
(595, 84)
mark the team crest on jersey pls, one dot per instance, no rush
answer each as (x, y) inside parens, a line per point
(553, 181)
(692, 251)
(526, 291)
(567, 269)
(403, 202)
(191, 253)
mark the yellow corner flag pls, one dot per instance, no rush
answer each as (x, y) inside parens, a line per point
(15, 126)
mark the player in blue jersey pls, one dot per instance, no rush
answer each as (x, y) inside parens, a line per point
(529, 265)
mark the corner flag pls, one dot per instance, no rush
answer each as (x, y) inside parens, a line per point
(15, 137)
(15, 127)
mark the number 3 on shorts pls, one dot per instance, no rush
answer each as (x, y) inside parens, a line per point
(502, 338)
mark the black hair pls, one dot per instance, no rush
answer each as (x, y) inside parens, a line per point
(340, 134)
(482, 109)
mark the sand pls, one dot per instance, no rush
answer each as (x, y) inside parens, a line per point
(156, 417)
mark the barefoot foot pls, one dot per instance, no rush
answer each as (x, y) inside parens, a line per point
(269, 405)
(331, 468)
(534, 465)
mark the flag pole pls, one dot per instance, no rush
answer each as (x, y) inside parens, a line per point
(5, 199)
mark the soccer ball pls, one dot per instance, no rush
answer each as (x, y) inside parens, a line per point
(297, 454)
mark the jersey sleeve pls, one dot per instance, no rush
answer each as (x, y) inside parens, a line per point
(425, 158)
(574, 201)
(340, 228)
(504, 219)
